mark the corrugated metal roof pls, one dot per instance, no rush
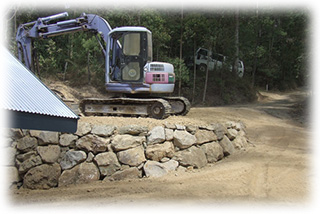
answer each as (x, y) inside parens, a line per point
(26, 93)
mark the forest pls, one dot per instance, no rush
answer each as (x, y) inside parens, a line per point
(272, 45)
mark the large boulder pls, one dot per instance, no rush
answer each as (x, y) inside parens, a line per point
(130, 173)
(213, 151)
(49, 154)
(133, 130)
(192, 156)
(204, 136)
(45, 137)
(156, 135)
(183, 139)
(156, 169)
(133, 157)
(44, 176)
(227, 146)
(103, 130)
(67, 139)
(158, 151)
(93, 143)
(72, 158)
(123, 142)
(29, 163)
(107, 162)
(83, 173)
(27, 144)
(83, 129)
(219, 130)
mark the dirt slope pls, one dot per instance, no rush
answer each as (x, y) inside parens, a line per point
(276, 170)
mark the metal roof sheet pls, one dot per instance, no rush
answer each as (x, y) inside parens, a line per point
(26, 93)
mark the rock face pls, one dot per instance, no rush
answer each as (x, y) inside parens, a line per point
(213, 151)
(192, 156)
(204, 136)
(42, 160)
(226, 145)
(83, 173)
(183, 139)
(156, 135)
(72, 158)
(93, 143)
(123, 142)
(49, 154)
(108, 163)
(156, 169)
(103, 130)
(42, 177)
(133, 157)
(158, 151)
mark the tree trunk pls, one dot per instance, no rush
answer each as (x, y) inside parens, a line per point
(180, 61)
(236, 43)
(88, 67)
(194, 69)
(207, 77)
(255, 62)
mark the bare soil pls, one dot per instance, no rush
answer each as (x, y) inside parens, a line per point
(275, 170)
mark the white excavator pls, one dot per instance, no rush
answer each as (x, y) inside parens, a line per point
(129, 70)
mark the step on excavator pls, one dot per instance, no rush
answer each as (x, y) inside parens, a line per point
(129, 70)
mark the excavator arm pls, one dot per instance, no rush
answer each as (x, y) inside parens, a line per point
(43, 28)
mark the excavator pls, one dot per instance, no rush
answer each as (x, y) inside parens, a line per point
(130, 72)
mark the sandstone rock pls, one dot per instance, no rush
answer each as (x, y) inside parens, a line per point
(130, 173)
(133, 157)
(171, 165)
(180, 127)
(15, 133)
(204, 136)
(123, 142)
(170, 125)
(192, 129)
(25, 156)
(240, 142)
(83, 129)
(227, 146)
(156, 169)
(156, 135)
(213, 151)
(107, 163)
(103, 130)
(27, 144)
(67, 139)
(72, 158)
(49, 154)
(29, 163)
(83, 173)
(192, 156)
(158, 151)
(90, 157)
(169, 134)
(232, 133)
(133, 129)
(45, 137)
(183, 139)
(42, 177)
(93, 143)
(219, 130)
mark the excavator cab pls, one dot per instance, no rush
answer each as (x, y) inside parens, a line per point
(130, 50)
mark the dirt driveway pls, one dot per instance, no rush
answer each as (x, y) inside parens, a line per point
(276, 170)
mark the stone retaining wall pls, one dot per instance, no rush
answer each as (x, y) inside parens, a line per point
(42, 160)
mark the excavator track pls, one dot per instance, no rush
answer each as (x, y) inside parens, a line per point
(179, 105)
(158, 108)
(155, 108)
